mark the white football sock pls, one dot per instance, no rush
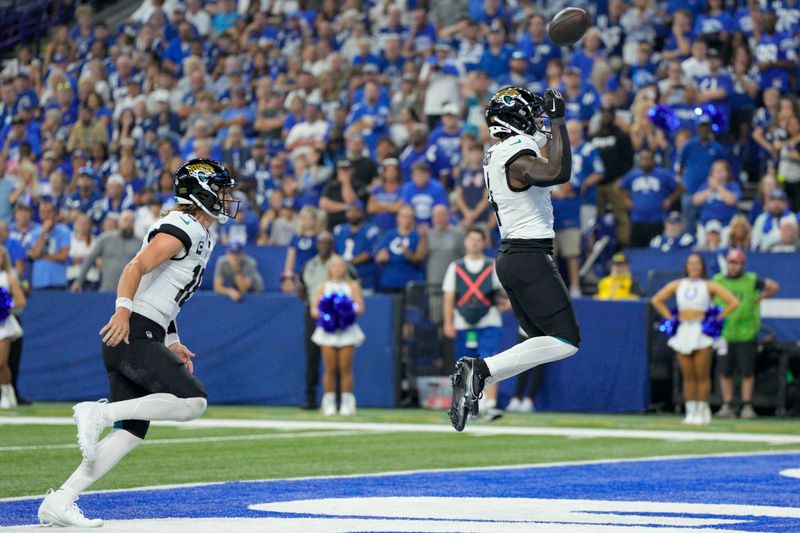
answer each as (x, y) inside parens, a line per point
(533, 352)
(110, 450)
(159, 406)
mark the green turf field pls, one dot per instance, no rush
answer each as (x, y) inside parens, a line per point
(36, 457)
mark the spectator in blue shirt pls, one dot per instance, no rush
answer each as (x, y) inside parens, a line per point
(538, 47)
(237, 112)
(695, 166)
(301, 249)
(649, 192)
(582, 98)
(585, 57)
(369, 117)
(587, 171)
(497, 54)
(716, 23)
(423, 193)
(776, 55)
(15, 250)
(719, 196)
(113, 202)
(82, 200)
(715, 87)
(385, 200)
(673, 238)
(402, 255)
(417, 150)
(49, 250)
(447, 140)
(356, 241)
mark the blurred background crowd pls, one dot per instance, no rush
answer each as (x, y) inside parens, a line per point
(365, 118)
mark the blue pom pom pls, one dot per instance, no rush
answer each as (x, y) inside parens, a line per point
(336, 312)
(670, 325)
(712, 323)
(6, 303)
(663, 116)
(719, 120)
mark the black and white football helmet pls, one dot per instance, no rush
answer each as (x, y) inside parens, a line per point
(199, 182)
(514, 111)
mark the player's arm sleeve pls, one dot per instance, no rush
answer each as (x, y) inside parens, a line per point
(527, 167)
(175, 231)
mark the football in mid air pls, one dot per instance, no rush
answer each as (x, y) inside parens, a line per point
(568, 26)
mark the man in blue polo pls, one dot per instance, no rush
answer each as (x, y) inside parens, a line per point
(356, 241)
(694, 166)
(49, 250)
(649, 192)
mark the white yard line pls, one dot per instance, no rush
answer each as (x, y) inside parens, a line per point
(297, 425)
(269, 436)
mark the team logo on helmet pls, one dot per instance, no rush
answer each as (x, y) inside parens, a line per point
(201, 171)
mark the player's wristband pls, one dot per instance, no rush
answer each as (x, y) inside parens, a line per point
(127, 303)
(171, 339)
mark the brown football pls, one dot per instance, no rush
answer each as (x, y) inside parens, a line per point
(568, 26)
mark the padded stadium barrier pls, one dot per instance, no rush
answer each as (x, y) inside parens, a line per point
(253, 352)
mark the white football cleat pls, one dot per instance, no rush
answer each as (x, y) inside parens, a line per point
(526, 406)
(58, 509)
(91, 419)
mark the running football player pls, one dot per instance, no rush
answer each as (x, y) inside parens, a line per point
(149, 370)
(518, 179)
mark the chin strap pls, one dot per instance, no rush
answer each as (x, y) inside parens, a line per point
(221, 218)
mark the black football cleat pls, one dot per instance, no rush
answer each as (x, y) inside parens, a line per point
(467, 390)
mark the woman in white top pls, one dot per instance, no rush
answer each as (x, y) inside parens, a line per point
(338, 347)
(694, 297)
(10, 329)
(80, 243)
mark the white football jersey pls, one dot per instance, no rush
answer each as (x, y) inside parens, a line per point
(163, 291)
(525, 213)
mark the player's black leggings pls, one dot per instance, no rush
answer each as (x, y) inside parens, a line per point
(146, 366)
(537, 293)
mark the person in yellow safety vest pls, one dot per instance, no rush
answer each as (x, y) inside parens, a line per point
(619, 285)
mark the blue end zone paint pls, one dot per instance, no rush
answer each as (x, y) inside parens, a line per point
(747, 480)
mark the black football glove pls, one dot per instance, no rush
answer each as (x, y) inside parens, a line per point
(553, 104)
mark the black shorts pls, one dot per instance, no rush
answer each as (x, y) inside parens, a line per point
(741, 355)
(537, 293)
(146, 366)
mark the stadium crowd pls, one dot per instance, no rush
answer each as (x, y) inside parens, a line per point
(365, 118)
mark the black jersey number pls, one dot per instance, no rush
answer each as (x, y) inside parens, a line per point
(185, 293)
(496, 210)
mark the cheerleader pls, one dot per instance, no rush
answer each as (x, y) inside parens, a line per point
(692, 345)
(338, 346)
(10, 329)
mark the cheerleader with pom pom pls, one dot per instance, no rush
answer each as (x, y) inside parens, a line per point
(11, 297)
(693, 330)
(339, 300)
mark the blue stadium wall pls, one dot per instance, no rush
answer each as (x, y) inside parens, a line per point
(253, 352)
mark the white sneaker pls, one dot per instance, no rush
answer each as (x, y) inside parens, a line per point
(328, 404)
(513, 405)
(9, 395)
(748, 413)
(58, 509)
(526, 406)
(704, 414)
(348, 407)
(692, 419)
(4, 402)
(91, 419)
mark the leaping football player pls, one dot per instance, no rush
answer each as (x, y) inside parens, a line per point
(149, 370)
(518, 179)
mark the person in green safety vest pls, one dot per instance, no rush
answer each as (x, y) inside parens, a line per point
(471, 313)
(740, 331)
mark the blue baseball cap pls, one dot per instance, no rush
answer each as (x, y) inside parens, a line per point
(359, 204)
(235, 247)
